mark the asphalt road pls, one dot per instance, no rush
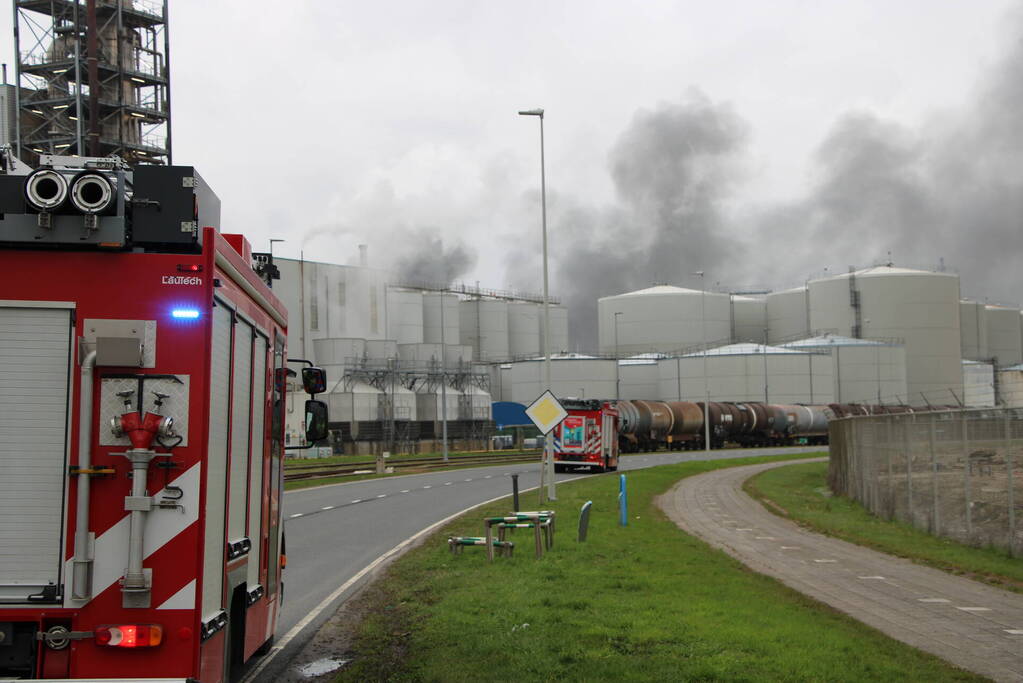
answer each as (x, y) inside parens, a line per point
(336, 532)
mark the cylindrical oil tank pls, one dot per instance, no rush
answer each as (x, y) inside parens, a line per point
(662, 318)
(919, 307)
(457, 355)
(1003, 335)
(799, 418)
(638, 377)
(483, 325)
(687, 418)
(979, 384)
(405, 316)
(432, 314)
(759, 422)
(973, 330)
(524, 329)
(559, 328)
(361, 403)
(571, 375)
(820, 416)
(731, 418)
(338, 351)
(863, 370)
(787, 315)
(749, 319)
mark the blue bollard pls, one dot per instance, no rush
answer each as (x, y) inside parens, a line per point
(623, 502)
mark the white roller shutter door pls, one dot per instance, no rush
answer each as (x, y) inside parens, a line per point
(35, 358)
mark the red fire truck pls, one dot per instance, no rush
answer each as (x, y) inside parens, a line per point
(143, 371)
(587, 437)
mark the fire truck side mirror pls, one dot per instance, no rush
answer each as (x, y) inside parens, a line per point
(314, 380)
(315, 421)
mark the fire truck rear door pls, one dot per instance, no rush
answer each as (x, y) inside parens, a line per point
(35, 365)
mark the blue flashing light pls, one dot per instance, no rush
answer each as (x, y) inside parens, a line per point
(185, 313)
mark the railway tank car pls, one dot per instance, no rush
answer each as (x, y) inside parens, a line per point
(646, 425)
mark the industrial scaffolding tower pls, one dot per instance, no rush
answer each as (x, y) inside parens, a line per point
(93, 79)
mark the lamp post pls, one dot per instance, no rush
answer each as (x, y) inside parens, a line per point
(706, 386)
(443, 380)
(618, 376)
(548, 450)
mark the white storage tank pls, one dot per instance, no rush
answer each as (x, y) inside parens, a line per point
(639, 376)
(973, 330)
(662, 318)
(432, 313)
(483, 325)
(748, 372)
(749, 319)
(919, 307)
(404, 401)
(1003, 335)
(337, 351)
(787, 315)
(405, 315)
(559, 328)
(864, 370)
(571, 375)
(523, 328)
(978, 384)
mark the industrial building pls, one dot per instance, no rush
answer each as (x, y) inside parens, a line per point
(92, 79)
(404, 358)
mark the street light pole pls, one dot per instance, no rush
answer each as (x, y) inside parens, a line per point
(548, 450)
(706, 386)
(618, 376)
(443, 381)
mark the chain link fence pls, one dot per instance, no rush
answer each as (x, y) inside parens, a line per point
(956, 474)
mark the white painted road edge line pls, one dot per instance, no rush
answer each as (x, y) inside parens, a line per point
(307, 619)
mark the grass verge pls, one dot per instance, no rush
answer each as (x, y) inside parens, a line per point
(800, 492)
(637, 603)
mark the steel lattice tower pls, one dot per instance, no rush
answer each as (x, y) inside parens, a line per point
(93, 79)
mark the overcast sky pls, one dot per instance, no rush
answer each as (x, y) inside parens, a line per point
(760, 142)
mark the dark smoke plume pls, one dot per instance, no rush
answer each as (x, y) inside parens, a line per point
(426, 259)
(673, 167)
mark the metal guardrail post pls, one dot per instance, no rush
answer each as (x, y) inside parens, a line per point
(1011, 486)
(967, 491)
(934, 478)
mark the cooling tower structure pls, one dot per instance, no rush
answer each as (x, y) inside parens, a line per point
(662, 318)
(749, 319)
(1003, 335)
(973, 330)
(524, 329)
(93, 82)
(788, 315)
(919, 307)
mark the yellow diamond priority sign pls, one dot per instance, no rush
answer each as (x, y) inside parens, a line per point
(546, 412)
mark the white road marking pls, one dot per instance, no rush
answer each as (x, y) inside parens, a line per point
(404, 490)
(1014, 631)
(871, 578)
(357, 500)
(468, 479)
(766, 538)
(975, 609)
(932, 600)
(297, 514)
(790, 547)
(744, 529)
(447, 483)
(329, 507)
(825, 561)
(488, 476)
(382, 495)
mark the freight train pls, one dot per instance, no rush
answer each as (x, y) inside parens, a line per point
(586, 436)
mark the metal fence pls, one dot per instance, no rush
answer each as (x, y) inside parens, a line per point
(957, 473)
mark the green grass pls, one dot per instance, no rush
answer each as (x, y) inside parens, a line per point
(802, 494)
(644, 602)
